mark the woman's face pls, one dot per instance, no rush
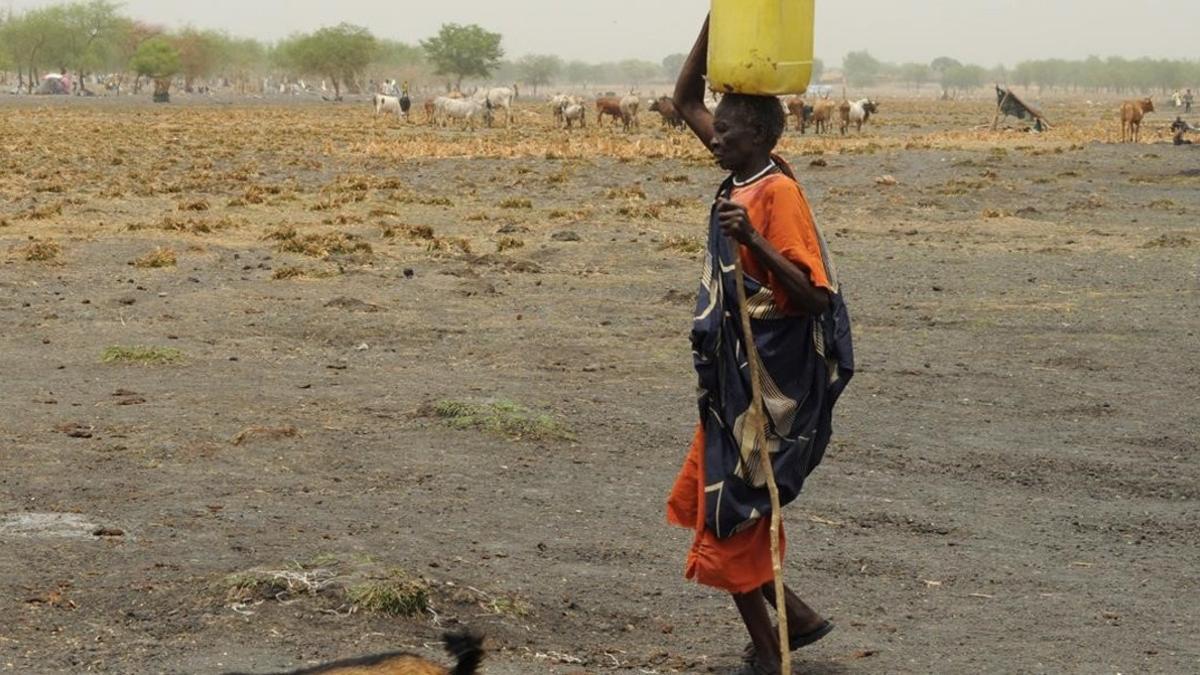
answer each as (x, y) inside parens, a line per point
(735, 143)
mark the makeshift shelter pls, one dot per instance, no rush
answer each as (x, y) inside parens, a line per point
(55, 84)
(1011, 105)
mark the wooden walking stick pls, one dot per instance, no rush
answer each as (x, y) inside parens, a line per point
(757, 417)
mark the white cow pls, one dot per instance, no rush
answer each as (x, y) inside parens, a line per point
(557, 103)
(573, 112)
(499, 98)
(467, 110)
(389, 105)
(629, 110)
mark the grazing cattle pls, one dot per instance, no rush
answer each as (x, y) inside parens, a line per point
(856, 113)
(573, 112)
(822, 115)
(629, 111)
(430, 111)
(398, 105)
(467, 110)
(665, 107)
(1132, 113)
(796, 106)
(557, 103)
(499, 98)
(608, 105)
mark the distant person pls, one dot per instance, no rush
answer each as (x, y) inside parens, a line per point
(801, 326)
(1188, 100)
(1178, 128)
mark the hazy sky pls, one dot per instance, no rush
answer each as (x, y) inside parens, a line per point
(603, 30)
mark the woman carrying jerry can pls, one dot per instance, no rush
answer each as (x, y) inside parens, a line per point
(772, 348)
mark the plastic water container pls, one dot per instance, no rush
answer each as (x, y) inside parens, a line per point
(762, 47)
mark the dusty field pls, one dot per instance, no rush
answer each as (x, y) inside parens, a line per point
(388, 369)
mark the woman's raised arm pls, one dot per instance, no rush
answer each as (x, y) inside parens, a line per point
(689, 90)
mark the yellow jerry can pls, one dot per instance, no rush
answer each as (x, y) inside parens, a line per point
(762, 47)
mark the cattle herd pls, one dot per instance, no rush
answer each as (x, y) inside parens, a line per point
(485, 105)
(491, 105)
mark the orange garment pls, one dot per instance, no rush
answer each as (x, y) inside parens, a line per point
(738, 564)
(742, 562)
(780, 212)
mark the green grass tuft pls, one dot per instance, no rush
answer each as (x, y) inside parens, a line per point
(503, 418)
(397, 595)
(140, 354)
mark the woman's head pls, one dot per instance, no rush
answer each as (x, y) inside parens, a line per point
(747, 129)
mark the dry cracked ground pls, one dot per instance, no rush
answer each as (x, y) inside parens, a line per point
(283, 383)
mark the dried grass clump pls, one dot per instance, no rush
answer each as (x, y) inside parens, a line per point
(423, 200)
(289, 272)
(632, 192)
(395, 595)
(644, 212)
(414, 232)
(318, 245)
(516, 203)
(40, 250)
(264, 434)
(448, 245)
(260, 585)
(509, 243)
(193, 205)
(159, 257)
(683, 244)
(43, 212)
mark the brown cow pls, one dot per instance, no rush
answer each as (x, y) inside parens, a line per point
(1132, 113)
(670, 114)
(802, 111)
(611, 106)
(822, 115)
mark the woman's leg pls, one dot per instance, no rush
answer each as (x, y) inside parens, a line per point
(753, 608)
(802, 619)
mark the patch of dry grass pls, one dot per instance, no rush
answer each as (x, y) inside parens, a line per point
(509, 243)
(253, 434)
(40, 250)
(158, 258)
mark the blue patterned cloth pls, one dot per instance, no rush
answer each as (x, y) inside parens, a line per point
(807, 362)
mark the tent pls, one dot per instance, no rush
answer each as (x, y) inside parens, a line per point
(55, 84)
(1009, 104)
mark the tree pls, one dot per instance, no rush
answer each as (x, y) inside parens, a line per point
(942, 63)
(340, 54)
(861, 68)
(239, 59)
(158, 60)
(539, 69)
(963, 77)
(580, 73)
(673, 65)
(89, 33)
(130, 37)
(637, 72)
(463, 51)
(199, 54)
(30, 41)
(915, 74)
